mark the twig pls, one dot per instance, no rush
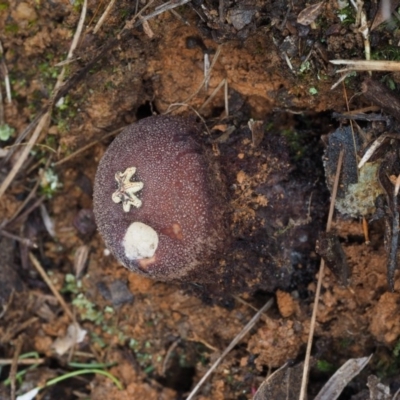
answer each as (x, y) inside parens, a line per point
(179, 17)
(159, 10)
(217, 53)
(55, 292)
(244, 302)
(18, 328)
(234, 342)
(21, 159)
(133, 21)
(16, 218)
(362, 116)
(86, 147)
(30, 196)
(104, 16)
(1, 109)
(14, 366)
(23, 361)
(25, 241)
(340, 80)
(45, 118)
(212, 95)
(226, 99)
(304, 382)
(21, 137)
(394, 241)
(168, 355)
(196, 338)
(6, 77)
(371, 150)
(367, 65)
(74, 44)
(193, 109)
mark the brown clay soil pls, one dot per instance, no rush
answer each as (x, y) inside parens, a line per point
(159, 339)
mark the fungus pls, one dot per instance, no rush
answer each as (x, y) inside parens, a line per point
(157, 203)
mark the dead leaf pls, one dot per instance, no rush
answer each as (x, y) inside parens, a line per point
(73, 336)
(340, 379)
(385, 10)
(282, 384)
(310, 14)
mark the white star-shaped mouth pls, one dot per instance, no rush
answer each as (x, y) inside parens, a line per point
(125, 193)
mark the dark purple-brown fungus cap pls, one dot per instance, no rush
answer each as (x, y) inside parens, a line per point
(156, 202)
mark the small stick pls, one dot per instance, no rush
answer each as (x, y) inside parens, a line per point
(212, 95)
(206, 68)
(198, 339)
(364, 30)
(304, 382)
(21, 159)
(168, 355)
(28, 198)
(25, 241)
(365, 230)
(21, 137)
(55, 292)
(362, 117)
(74, 44)
(104, 16)
(359, 111)
(86, 147)
(226, 99)
(191, 108)
(340, 80)
(45, 118)
(367, 65)
(215, 58)
(14, 366)
(6, 77)
(375, 145)
(234, 342)
(165, 7)
(397, 186)
(394, 242)
(17, 218)
(24, 361)
(179, 17)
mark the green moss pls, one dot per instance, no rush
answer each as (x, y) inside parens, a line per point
(389, 82)
(396, 350)
(48, 71)
(295, 142)
(388, 53)
(11, 28)
(77, 5)
(142, 354)
(325, 366)
(347, 16)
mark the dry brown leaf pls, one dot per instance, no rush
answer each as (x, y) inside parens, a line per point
(310, 14)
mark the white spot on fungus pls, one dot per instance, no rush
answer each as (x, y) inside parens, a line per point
(140, 241)
(127, 189)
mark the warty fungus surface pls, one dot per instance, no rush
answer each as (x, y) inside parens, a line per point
(156, 204)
